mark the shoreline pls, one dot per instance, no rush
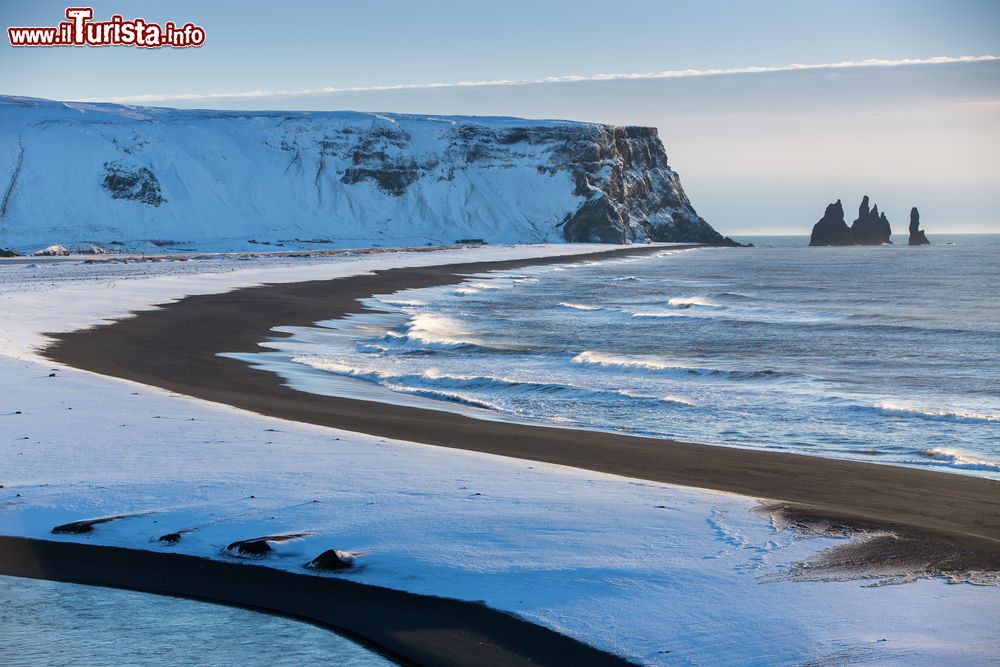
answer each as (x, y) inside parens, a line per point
(188, 334)
(407, 628)
(958, 517)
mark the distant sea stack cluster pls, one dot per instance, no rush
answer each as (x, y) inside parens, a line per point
(870, 228)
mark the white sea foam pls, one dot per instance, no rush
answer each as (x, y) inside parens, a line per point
(450, 396)
(704, 308)
(678, 400)
(957, 458)
(578, 306)
(657, 313)
(452, 386)
(392, 301)
(435, 330)
(893, 409)
(678, 368)
(687, 301)
(625, 360)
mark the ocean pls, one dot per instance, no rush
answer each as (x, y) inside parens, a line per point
(51, 623)
(888, 354)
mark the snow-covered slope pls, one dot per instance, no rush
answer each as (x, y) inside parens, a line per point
(72, 173)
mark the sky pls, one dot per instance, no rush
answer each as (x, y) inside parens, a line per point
(760, 147)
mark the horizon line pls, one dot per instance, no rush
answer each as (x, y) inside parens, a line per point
(570, 78)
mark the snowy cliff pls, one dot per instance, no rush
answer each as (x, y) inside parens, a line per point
(75, 173)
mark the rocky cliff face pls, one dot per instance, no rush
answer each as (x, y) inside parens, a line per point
(73, 173)
(917, 235)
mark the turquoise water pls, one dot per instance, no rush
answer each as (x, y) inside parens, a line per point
(886, 354)
(45, 623)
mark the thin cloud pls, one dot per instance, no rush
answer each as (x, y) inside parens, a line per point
(572, 78)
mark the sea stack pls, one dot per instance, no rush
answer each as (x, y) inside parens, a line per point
(917, 236)
(871, 227)
(831, 229)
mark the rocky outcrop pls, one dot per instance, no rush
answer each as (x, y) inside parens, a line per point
(631, 193)
(216, 179)
(51, 251)
(7, 252)
(331, 560)
(831, 228)
(871, 227)
(136, 183)
(917, 235)
(260, 546)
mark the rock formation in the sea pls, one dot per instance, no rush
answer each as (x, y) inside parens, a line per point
(871, 227)
(831, 229)
(216, 179)
(917, 236)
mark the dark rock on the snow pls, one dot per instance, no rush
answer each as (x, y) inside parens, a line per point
(259, 546)
(51, 251)
(250, 548)
(135, 183)
(7, 252)
(87, 525)
(917, 235)
(831, 229)
(331, 560)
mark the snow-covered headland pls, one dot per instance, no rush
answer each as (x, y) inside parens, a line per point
(137, 178)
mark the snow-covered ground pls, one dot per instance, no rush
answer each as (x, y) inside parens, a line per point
(662, 574)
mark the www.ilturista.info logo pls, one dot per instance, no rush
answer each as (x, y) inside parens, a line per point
(80, 30)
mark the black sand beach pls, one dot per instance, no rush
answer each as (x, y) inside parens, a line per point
(176, 346)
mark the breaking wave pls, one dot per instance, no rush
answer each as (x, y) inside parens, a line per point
(437, 332)
(936, 414)
(688, 301)
(956, 458)
(578, 306)
(705, 308)
(661, 364)
(452, 385)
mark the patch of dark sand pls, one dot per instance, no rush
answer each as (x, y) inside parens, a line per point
(886, 553)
